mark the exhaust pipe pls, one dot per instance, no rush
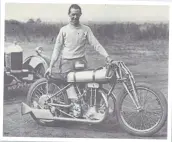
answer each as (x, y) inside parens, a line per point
(38, 113)
(25, 109)
(47, 115)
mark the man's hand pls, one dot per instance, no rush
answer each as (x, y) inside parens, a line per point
(108, 59)
(48, 72)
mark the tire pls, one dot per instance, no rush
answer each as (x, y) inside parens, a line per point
(161, 100)
(30, 97)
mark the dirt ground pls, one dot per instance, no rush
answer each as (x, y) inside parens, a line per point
(145, 68)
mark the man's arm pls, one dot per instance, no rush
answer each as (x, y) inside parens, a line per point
(94, 42)
(57, 48)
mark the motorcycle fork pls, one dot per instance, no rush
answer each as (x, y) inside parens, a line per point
(133, 95)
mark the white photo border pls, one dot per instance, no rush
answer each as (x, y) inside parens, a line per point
(122, 2)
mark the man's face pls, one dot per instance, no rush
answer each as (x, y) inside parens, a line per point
(74, 15)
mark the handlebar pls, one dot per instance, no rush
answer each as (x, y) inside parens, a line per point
(109, 66)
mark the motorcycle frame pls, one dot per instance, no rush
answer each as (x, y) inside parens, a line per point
(119, 69)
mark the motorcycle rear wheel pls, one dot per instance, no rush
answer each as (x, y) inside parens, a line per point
(34, 95)
(146, 122)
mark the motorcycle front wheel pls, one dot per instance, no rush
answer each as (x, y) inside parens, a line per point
(147, 121)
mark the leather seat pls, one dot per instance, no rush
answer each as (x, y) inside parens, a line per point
(58, 78)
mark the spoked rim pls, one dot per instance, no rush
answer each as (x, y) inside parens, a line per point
(148, 117)
(41, 90)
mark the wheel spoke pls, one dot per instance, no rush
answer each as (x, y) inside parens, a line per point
(128, 102)
(38, 92)
(142, 122)
(150, 120)
(42, 90)
(130, 108)
(131, 119)
(146, 120)
(37, 96)
(145, 98)
(151, 101)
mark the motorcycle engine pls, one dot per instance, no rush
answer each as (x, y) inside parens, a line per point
(76, 109)
(79, 107)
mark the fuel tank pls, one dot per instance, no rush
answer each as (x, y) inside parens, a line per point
(88, 76)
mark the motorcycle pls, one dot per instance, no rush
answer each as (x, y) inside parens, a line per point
(140, 108)
(17, 72)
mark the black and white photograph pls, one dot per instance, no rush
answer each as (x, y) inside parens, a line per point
(82, 70)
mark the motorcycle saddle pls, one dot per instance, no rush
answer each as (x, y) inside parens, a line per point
(58, 78)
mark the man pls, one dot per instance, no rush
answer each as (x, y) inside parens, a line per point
(71, 42)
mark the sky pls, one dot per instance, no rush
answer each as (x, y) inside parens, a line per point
(91, 12)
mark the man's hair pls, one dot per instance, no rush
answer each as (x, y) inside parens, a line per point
(75, 6)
